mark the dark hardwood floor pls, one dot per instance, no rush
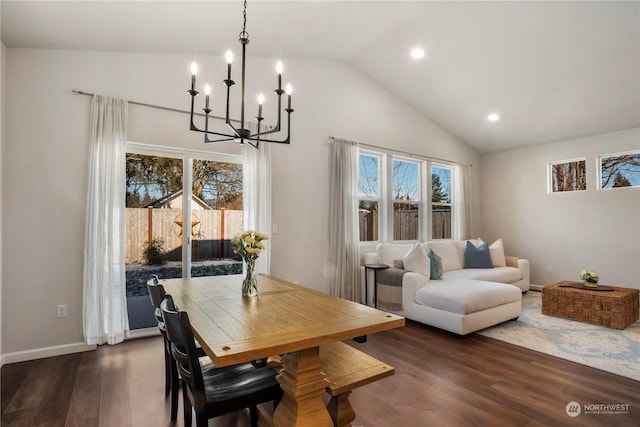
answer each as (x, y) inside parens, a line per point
(440, 380)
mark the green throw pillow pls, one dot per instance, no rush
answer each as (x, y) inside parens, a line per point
(479, 257)
(436, 265)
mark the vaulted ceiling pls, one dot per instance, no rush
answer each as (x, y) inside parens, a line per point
(551, 70)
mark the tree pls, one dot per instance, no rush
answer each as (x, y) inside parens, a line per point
(626, 165)
(621, 181)
(438, 194)
(570, 176)
(219, 184)
(368, 179)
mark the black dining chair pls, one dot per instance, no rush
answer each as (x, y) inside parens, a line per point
(171, 377)
(171, 382)
(214, 391)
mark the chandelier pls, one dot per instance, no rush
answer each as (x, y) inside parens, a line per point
(241, 134)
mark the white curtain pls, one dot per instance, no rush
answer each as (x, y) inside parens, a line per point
(256, 173)
(104, 314)
(462, 202)
(343, 220)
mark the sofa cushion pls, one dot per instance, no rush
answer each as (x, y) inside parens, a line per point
(496, 249)
(447, 251)
(496, 274)
(463, 296)
(435, 263)
(417, 261)
(388, 253)
(477, 257)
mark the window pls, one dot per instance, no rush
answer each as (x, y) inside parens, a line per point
(368, 196)
(568, 175)
(441, 202)
(406, 200)
(620, 170)
(403, 199)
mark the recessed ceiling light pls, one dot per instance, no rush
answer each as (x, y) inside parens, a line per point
(417, 53)
(493, 117)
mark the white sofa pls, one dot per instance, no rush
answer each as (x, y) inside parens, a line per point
(465, 300)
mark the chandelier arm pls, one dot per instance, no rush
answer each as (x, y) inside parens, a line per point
(193, 94)
(209, 132)
(266, 132)
(227, 119)
(279, 92)
(209, 141)
(244, 42)
(284, 141)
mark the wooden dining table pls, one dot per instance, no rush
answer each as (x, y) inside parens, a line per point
(284, 319)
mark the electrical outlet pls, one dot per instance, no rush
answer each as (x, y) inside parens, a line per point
(275, 229)
(548, 269)
(62, 310)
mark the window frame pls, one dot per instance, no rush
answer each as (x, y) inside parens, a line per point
(599, 170)
(450, 204)
(377, 198)
(550, 166)
(392, 199)
(386, 198)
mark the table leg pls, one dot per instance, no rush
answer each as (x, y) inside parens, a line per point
(303, 384)
(341, 410)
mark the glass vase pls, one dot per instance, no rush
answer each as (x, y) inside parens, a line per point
(249, 283)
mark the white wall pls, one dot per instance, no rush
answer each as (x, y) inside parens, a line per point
(592, 229)
(45, 165)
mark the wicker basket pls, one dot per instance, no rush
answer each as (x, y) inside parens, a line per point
(618, 308)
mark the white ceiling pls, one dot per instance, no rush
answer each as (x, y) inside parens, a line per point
(552, 70)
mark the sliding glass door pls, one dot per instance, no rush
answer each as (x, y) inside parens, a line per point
(172, 235)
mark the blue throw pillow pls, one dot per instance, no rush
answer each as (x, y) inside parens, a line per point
(479, 257)
(436, 265)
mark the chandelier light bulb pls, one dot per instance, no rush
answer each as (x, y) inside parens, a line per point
(207, 90)
(289, 89)
(279, 67)
(194, 68)
(229, 57)
(493, 117)
(261, 99)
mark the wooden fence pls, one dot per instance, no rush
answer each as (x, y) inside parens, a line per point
(405, 225)
(211, 231)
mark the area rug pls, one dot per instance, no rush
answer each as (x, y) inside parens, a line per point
(611, 350)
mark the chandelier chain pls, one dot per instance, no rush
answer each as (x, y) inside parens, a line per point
(244, 34)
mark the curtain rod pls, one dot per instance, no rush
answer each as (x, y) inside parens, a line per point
(158, 107)
(406, 153)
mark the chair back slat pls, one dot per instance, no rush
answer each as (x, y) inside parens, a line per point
(183, 348)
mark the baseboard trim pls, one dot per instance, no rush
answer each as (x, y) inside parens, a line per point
(40, 353)
(58, 350)
(536, 288)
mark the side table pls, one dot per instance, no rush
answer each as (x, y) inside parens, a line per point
(375, 268)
